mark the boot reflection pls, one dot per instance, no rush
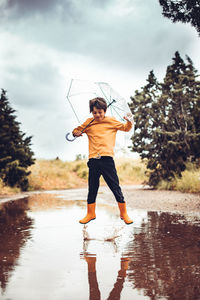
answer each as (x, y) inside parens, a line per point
(115, 294)
(95, 294)
(92, 277)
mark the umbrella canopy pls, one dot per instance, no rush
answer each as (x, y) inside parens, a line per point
(81, 91)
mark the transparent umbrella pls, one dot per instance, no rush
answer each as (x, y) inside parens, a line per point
(79, 94)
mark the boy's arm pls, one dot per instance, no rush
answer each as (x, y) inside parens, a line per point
(77, 130)
(123, 126)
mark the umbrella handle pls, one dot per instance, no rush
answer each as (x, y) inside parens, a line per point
(70, 139)
(74, 137)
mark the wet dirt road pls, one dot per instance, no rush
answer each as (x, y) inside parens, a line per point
(46, 254)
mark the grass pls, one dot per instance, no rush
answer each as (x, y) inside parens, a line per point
(188, 183)
(56, 174)
(131, 171)
(6, 190)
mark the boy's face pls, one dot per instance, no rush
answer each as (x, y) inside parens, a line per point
(98, 114)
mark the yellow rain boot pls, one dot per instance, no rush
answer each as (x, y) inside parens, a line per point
(123, 213)
(90, 214)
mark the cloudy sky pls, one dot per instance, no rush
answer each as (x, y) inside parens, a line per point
(44, 43)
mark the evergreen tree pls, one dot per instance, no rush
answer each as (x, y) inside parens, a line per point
(186, 11)
(168, 136)
(15, 152)
(195, 110)
(146, 112)
(148, 117)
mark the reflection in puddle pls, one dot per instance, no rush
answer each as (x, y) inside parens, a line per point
(15, 228)
(46, 254)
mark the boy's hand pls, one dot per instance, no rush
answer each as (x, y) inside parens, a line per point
(125, 118)
(129, 117)
(77, 133)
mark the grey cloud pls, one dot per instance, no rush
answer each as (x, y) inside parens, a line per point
(66, 9)
(23, 8)
(35, 86)
(29, 5)
(118, 41)
(100, 33)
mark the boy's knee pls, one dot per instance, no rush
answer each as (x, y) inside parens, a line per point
(90, 201)
(121, 200)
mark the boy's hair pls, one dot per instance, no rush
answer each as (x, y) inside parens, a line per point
(99, 103)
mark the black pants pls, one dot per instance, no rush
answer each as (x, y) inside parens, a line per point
(104, 166)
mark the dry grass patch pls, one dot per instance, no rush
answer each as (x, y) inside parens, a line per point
(56, 174)
(7, 190)
(131, 171)
(53, 174)
(188, 183)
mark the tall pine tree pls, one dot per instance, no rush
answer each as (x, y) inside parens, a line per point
(15, 152)
(146, 112)
(167, 127)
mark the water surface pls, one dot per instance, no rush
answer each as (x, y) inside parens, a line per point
(46, 254)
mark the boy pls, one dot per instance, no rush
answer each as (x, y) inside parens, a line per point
(102, 134)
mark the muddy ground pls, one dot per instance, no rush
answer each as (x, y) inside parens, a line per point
(136, 196)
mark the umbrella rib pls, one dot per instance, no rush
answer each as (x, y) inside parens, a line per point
(110, 102)
(118, 108)
(70, 101)
(82, 93)
(103, 93)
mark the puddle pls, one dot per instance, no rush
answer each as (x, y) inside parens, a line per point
(46, 254)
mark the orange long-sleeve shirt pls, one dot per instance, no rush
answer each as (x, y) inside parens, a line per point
(102, 135)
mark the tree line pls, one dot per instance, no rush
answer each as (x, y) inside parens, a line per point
(167, 120)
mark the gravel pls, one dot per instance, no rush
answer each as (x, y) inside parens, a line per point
(139, 197)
